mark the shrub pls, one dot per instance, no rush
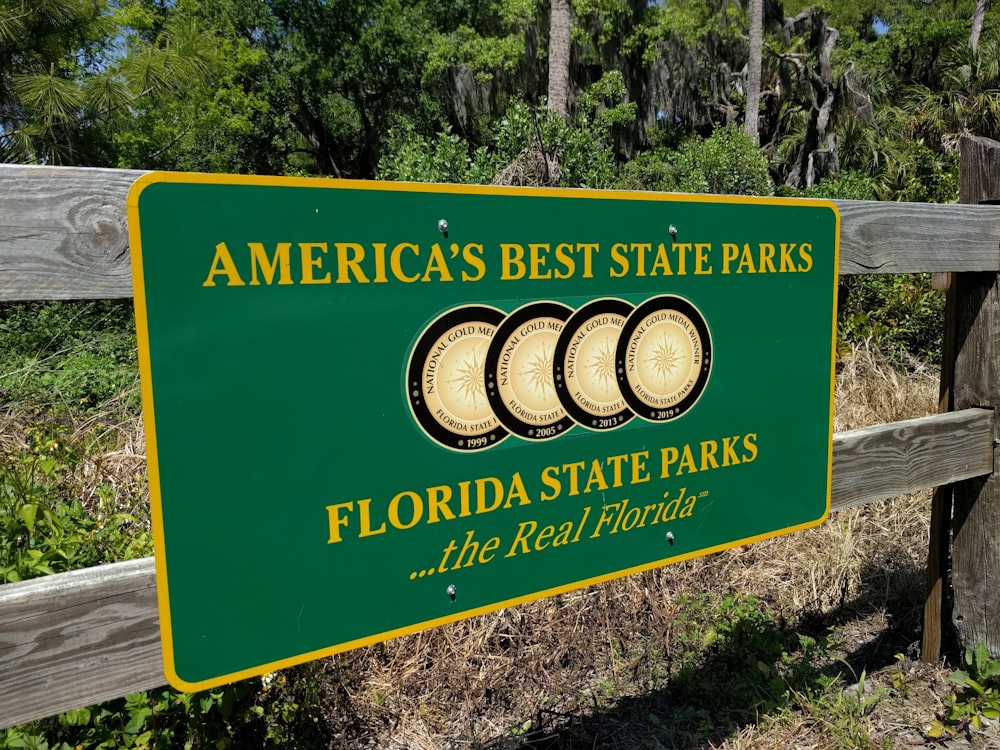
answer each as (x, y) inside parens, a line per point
(728, 162)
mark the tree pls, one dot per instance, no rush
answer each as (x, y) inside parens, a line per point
(816, 154)
(752, 116)
(692, 52)
(67, 86)
(559, 49)
(966, 100)
(46, 91)
(982, 6)
(482, 57)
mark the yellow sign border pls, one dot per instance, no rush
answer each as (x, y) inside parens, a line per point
(148, 409)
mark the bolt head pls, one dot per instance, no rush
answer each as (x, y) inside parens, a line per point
(442, 225)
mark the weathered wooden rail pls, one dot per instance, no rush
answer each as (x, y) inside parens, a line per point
(63, 235)
(79, 638)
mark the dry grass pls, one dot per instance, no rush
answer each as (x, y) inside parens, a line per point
(637, 663)
(599, 667)
(531, 168)
(868, 392)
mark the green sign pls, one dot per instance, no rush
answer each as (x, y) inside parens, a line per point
(372, 408)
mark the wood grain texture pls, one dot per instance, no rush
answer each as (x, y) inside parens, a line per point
(63, 235)
(935, 616)
(980, 170)
(78, 638)
(877, 237)
(975, 523)
(889, 460)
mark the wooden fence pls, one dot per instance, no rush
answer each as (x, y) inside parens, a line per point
(79, 638)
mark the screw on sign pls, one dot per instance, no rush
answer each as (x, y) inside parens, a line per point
(525, 412)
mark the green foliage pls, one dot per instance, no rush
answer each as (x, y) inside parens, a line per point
(900, 315)
(734, 633)
(64, 362)
(447, 158)
(917, 174)
(917, 47)
(732, 660)
(485, 56)
(274, 711)
(340, 75)
(843, 713)
(717, 662)
(222, 122)
(726, 163)
(595, 24)
(487, 38)
(582, 157)
(978, 697)
(75, 73)
(68, 356)
(650, 170)
(697, 24)
(44, 526)
(581, 151)
(255, 86)
(45, 52)
(846, 186)
(604, 107)
(730, 645)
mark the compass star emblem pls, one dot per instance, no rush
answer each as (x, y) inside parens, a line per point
(664, 359)
(602, 364)
(469, 379)
(538, 372)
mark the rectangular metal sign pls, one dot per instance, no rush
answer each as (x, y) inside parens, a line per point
(372, 408)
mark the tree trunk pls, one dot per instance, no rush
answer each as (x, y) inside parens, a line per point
(817, 155)
(977, 22)
(559, 57)
(754, 64)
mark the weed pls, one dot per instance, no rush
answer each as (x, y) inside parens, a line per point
(272, 711)
(44, 527)
(899, 676)
(850, 707)
(979, 697)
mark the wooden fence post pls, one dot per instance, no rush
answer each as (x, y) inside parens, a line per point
(975, 570)
(939, 546)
